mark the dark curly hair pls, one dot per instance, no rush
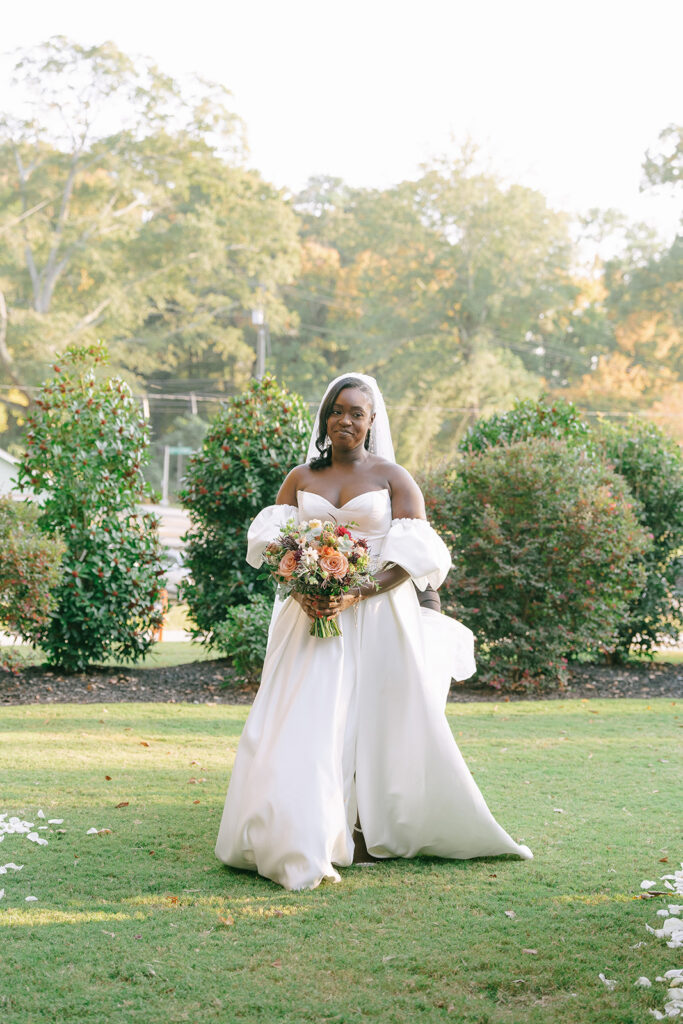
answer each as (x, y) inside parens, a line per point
(325, 457)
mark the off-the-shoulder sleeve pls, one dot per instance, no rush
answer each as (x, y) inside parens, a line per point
(417, 548)
(265, 528)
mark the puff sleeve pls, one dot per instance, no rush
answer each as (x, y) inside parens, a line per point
(265, 528)
(416, 547)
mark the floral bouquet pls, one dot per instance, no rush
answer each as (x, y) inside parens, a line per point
(317, 557)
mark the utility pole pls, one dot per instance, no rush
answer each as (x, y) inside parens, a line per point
(258, 319)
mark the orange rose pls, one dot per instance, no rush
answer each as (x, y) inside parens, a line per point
(326, 550)
(336, 564)
(288, 564)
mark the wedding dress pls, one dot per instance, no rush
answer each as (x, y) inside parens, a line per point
(356, 724)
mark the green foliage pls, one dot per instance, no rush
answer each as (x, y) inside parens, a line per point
(248, 450)
(528, 418)
(652, 465)
(86, 445)
(243, 635)
(29, 570)
(153, 236)
(547, 555)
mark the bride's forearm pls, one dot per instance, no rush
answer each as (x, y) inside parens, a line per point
(385, 580)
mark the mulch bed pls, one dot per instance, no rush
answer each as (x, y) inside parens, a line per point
(213, 682)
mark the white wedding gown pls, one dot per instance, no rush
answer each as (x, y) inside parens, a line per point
(356, 723)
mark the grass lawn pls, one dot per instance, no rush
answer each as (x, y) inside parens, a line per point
(143, 924)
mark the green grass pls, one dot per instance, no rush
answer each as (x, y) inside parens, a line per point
(127, 926)
(162, 655)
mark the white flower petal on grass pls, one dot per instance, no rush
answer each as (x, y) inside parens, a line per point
(35, 838)
(559, 810)
(643, 983)
(675, 973)
(647, 885)
(2, 893)
(41, 814)
(609, 983)
(55, 821)
(31, 899)
(91, 831)
(657, 1014)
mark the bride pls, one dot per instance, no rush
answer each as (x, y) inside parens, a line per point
(347, 745)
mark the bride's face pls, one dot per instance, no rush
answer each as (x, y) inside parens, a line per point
(349, 419)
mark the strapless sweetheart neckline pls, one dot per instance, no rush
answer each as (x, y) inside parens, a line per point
(379, 490)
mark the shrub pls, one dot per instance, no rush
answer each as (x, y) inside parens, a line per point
(248, 450)
(546, 546)
(86, 444)
(529, 418)
(29, 570)
(243, 635)
(652, 465)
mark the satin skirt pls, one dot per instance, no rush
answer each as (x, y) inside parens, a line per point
(355, 725)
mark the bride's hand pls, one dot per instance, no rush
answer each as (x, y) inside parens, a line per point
(331, 606)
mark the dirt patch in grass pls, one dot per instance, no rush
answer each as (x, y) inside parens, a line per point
(215, 682)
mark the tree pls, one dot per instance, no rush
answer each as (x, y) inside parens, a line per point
(143, 228)
(247, 452)
(86, 446)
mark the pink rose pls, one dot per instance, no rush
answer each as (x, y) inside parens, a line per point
(288, 564)
(336, 564)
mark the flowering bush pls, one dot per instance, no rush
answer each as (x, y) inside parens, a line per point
(29, 570)
(248, 450)
(529, 418)
(86, 444)
(652, 465)
(547, 555)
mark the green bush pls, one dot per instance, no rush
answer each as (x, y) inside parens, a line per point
(529, 418)
(248, 450)
(86, 445)
(29, 571)
(652, 465)
(547, 555)
(243, 636)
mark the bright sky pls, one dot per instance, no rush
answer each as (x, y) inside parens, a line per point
(564, 96)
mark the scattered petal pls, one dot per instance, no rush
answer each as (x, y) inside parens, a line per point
(124, 803)
(643, 983)
(41, 814)
(2, 893)
(91, 832)
(647, 885)
(227, 921)
(35, 838)
(55, 821)
(559, 810)
(609, 983)
(31, 899)
(510, 913)
(534, 951)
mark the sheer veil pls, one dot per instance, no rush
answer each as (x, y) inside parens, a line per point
(380, 432)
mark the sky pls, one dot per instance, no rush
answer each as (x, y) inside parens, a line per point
(562, 97)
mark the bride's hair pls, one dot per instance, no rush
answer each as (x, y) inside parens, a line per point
(325, 457)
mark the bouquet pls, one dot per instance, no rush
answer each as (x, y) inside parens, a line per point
(319, 557)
